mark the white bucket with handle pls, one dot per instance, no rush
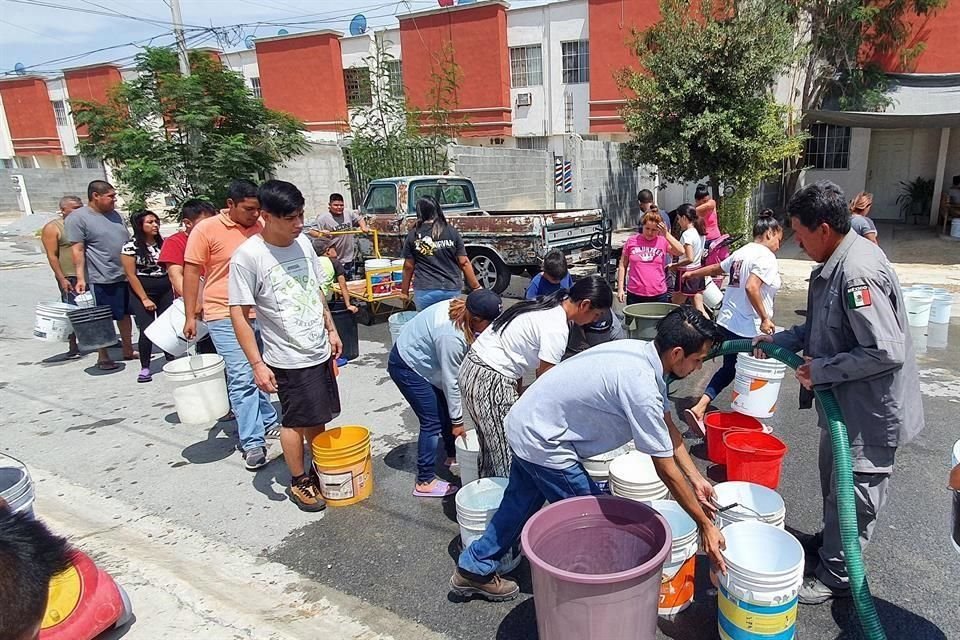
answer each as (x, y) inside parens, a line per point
(756, 386)
(477, 502)
(918, 303)
(16, 486)
(199, 387)
(51, 323)
(167, 330)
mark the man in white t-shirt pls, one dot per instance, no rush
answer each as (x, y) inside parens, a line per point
(588, 405)
(278, 273)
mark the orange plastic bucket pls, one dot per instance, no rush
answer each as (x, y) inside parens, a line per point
(754, 457)
(676, 593)
(342, 460)
(718, 423)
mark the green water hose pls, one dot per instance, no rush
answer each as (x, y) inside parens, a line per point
(843, 472)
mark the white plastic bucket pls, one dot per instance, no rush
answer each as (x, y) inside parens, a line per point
(955, 228)
(955, 521)
(598, 467)
(918, 303)
(755, 502)
(476, 503)
(677, 584)
(51, 323)
(941, 308)
(396, 322)
(633, 476)
(756, 386)
(764, 574)
(712, 295)
(468, 456)
(199, 387)
(376, 263)
(167, 330)
(16, 486)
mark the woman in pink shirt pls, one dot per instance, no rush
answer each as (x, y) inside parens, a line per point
(641, 275)
(707, 210)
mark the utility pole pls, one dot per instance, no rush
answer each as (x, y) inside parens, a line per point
(181, 41)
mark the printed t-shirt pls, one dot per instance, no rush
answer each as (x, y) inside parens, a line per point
(517, 349)
(346, 243)
(149, 266)
(646, 261)
(736, 313)
(435, 260)
(103, 236)
(211, 244)
(592, 403)
(284, 284)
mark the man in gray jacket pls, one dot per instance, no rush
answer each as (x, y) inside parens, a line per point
(856, 343)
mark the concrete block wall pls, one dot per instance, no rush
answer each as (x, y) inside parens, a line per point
(45, 187)
(507, 178)
(318, 173)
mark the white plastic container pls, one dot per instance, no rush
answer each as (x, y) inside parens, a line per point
(468, 456)
(755, 502)
(167, 330)
(476, 503)
(16, 486)
(756, 386)
(598, 467)
(199, 388)
(633, 476)
(764, 574)
(51, 323)
(918, 303)
(396, 322)
(376, 263)
(712, 295)
(941, 308)
(85, 300)
(677, 585)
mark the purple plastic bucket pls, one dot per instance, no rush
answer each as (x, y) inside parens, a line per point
(596, 563)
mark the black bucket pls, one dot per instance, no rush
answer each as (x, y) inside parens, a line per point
(93, 327)
(347, 328)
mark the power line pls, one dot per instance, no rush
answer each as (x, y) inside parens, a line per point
(77, 56)
(109, 13)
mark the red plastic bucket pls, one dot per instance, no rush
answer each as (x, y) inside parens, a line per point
(754, 457)
(718, 423)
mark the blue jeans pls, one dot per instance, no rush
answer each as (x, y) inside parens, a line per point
(427, 297)
(252, 406)
(529, 485)
(727, 372)
(430, 405)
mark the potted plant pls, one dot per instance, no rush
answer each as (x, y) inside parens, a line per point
(915, 196)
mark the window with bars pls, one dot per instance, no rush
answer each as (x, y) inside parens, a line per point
(8, 163)
(91, 163)
(255, 88)
(828, 147)
(526, 66)
(575, 61)
(76, 162)
(60, 111)
(394, 78)
(356, 83)
(537, 143)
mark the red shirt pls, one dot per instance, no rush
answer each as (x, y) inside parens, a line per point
(173, 249)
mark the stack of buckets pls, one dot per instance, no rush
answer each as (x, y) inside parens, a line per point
(381, 282)
(739, 442)
(598, 467)
(477, 502)
(468, 456)
(677, 585)
(341, 458)
(397, 272)
(926, 305)
(757, 598)
(633, 476)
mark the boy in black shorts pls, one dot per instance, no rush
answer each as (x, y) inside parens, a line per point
(278, 273)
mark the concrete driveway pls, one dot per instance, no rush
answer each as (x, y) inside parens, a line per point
(210, 550)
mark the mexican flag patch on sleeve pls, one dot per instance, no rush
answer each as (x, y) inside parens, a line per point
(858, 296)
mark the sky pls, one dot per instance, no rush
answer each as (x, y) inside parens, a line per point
(47, 35)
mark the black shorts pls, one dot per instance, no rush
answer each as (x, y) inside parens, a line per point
(690, 286)
(308, 397)
(114, 295)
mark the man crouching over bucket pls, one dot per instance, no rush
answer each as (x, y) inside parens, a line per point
(588, 405)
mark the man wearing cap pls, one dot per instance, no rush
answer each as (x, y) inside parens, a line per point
(425, 363)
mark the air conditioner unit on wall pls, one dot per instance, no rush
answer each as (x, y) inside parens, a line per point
(524, 99)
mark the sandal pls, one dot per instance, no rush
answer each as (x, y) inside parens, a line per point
(441, 489)
(132, 356)
(107, 365)
(695, 423)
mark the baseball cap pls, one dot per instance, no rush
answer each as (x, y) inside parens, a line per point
(484, 304)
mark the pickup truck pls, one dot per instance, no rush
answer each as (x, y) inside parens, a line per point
(499, 243)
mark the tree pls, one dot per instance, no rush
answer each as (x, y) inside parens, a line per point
(842, 47)
(164, 133)
(388, 136)
(703, 103)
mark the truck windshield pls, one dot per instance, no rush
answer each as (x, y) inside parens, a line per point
(446, 194)
(381, 199)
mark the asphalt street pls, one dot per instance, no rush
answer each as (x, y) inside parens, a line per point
(391, 556)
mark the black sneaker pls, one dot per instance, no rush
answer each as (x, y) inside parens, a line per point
(255, 458)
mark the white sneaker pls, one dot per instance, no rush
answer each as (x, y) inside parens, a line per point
(272, 436)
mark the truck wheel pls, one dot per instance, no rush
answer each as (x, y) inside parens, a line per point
(490, 270)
